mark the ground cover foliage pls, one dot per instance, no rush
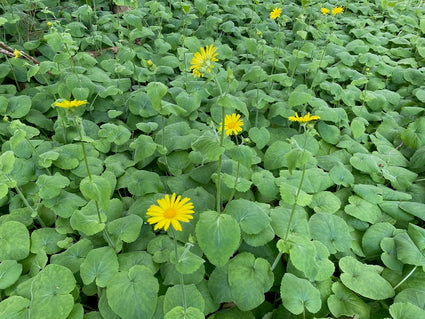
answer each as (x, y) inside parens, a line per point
(322, 219)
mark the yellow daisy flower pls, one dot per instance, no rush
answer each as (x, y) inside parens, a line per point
(305, 119)
(324, 11)
(202, 61)
(232, 124)
(16, 53)
(275, 13)
(337, 10)
(170, 211)
(70, 104)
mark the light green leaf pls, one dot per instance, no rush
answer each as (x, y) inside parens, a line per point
(87, 220)
(358, 277)
(346, 303)
(299, 294)
(53, 299)
(251, 216)
(249, 278)
(100, 264)
(173, 298)
(126, 228)
(218, 236)
(10, 271)
(15, 241)
(96, 188)
(133, 294)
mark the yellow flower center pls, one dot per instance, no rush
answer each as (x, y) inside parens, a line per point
(231, 125)
(170, 213)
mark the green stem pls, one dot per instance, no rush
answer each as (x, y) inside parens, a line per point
(24, 199)
(405, 278)
(36, 154)
(320, 62)
(220, 163)
(181, 275)
(105, 232)
(293, 208)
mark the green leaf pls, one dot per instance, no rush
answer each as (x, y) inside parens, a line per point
(299, 96)
(209, 146)
(189, 103)
(74, 255)
(126, 228)
(404, 310)
(133, 293)
(275, 155)
(173, 298)
(180, 313)
(325, 202)
(100, 264)
(140, 182)
(407, 251)
(413, 208)
(280, 219)
(14, 307)
(363, 210)
(187, 262)
(15, 241)
(358, 126)
(117, 134)
(45, 239)
(260, 136)
(233, 102)
(18, 106)
(297, 158)
(218, 236)
(156, 91)
(143, 146)
(50, 186)
(7, 160)
(373, 236)
(65, 204)
(53, 299)
(251, 216)
(414, 135)
(218, 285)
(249, 278)
(346, 303)
(96, 188)
(69, 156)
(87, 220)
(367, 163)
(332, 231)
(358, 277)
(299, 294)
(10, 271)
(369, 192)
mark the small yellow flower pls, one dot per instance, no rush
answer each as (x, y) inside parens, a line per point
(275, 13)
(16, 53)
(49, 24)
(202, 61)
(337, 10)
(232, 124)
(305, 119)
(170, 211)
(324, 11)
(70, 104)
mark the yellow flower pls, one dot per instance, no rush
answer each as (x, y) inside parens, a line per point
(275, 13)
(304, 119)
(49, 24)
(16, 53)
(70, 104)
(202, 61)
(232, 124)
(337, 10)
(324, 11)
(170, 211)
